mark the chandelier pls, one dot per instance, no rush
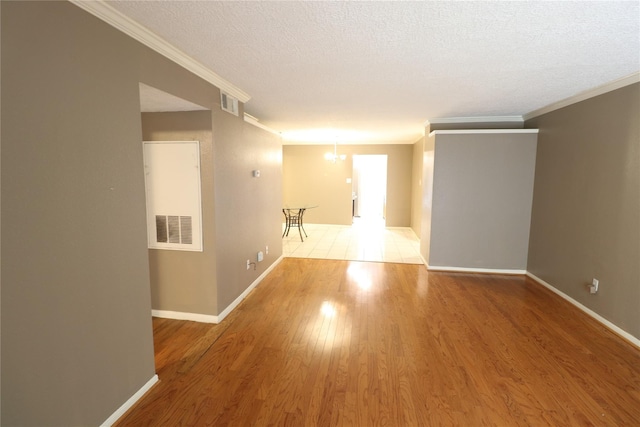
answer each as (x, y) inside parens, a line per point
(333, 157)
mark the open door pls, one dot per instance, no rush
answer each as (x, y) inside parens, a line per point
(370, 187)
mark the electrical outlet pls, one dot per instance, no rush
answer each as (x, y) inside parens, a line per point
(266, 249)
(248, 264)
(260, 256)
(594, 286)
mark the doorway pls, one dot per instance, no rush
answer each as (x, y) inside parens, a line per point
(369, 188)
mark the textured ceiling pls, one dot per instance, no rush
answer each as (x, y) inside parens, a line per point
(381, 69)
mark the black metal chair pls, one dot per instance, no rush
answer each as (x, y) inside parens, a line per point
(293, 218)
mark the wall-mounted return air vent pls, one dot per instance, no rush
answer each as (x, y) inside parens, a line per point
(174, 205)
(174, 229)
(229, 103)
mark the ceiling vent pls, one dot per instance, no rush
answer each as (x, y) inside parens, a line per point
(229, 103)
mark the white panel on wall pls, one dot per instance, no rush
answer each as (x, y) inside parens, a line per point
(172, 183)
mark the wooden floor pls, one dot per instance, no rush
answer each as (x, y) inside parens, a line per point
(340, 343)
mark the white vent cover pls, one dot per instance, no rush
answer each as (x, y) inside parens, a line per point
(174, 229)
(172, 182)
(229, 103)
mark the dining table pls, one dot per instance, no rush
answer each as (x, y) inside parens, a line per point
(293, 215)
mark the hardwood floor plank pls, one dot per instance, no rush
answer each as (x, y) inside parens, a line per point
(339, 343)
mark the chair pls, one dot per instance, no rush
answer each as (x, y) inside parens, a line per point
(293, 218)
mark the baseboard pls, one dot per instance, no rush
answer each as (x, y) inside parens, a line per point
(208, 318)
(624, 334)
(243, 295)
(474, 270)
(180, 315)
(424, 261)
(130, 402)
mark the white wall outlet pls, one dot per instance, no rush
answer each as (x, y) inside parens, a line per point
(594, 286)
(260, 256)
(248, 264)
(266, 249)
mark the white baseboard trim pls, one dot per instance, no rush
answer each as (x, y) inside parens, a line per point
(474, 270)
(181, 315)
(130, 402)
(424, 261)
(624, 334)
(209, 318)
(224, 313)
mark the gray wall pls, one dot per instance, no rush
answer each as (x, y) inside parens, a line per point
(586, 204)
(0, 227)
(240, 213)
(248, 210)
(482, 195)
(185, 281)
(309, 177)
(76, 325)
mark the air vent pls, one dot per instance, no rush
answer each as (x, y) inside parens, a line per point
(174, 229)
(185, 230)
(229, 103)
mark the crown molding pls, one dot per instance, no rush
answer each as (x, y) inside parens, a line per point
(253, 121)
(599, 90)
(116, 19)
(479, 131)
(478, 119)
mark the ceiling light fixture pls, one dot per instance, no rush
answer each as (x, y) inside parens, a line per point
(333, 157)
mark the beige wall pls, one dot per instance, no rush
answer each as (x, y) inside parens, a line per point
(586, 205)
(416, 186)
(309, 178)
(185, 281)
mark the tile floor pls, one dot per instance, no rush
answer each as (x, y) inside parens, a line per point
(364, 241)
